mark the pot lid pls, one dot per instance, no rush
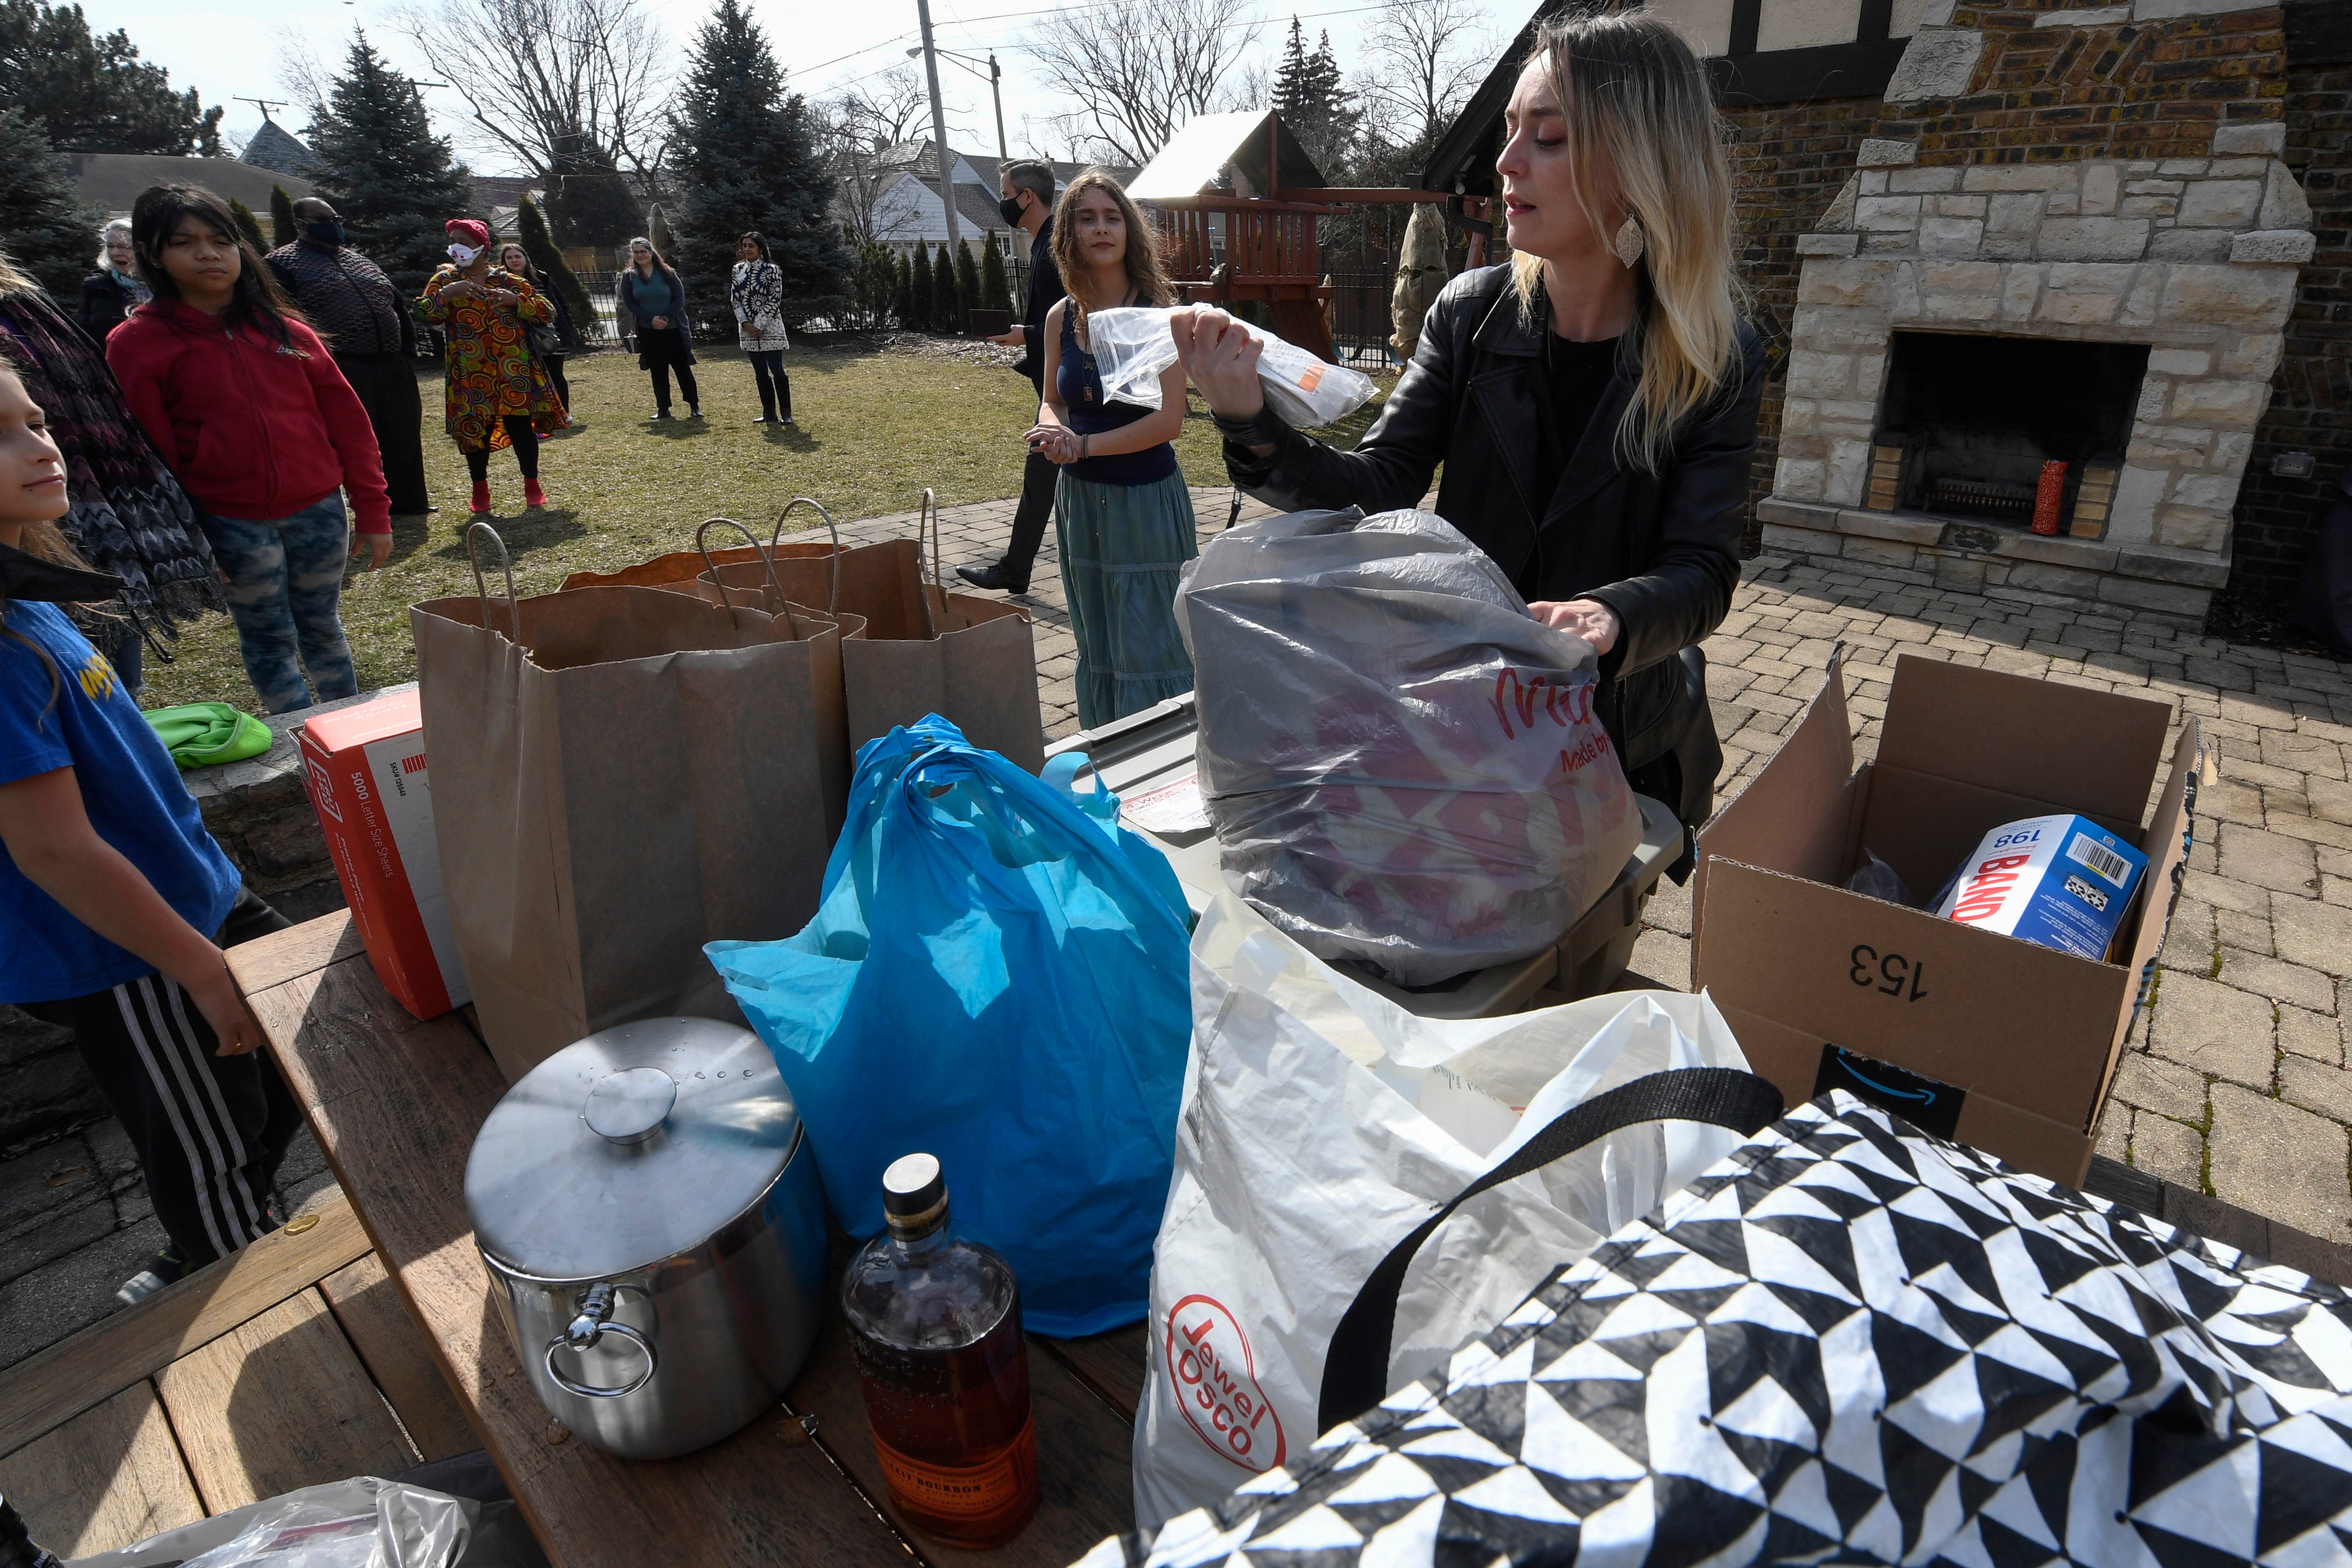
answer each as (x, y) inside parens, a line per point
(632, 1145)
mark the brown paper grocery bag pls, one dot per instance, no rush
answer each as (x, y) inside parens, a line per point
(620, 775)
(925, 650)
(678, 569)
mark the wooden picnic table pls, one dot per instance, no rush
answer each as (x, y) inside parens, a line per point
(395, 1103)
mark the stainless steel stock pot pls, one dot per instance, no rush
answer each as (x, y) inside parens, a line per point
(648, 1208)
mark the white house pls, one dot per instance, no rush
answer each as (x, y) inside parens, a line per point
(907, 205)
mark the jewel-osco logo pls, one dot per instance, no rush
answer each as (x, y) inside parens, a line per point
(1215, 1380)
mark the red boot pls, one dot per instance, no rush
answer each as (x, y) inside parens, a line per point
(532, 496)
(481, 498)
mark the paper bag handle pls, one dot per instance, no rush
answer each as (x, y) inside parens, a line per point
(833, 603)
(482, 590)
(1356, 1366)
(929, 510)
(718, 582)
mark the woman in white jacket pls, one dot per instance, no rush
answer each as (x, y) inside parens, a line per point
(757, 292)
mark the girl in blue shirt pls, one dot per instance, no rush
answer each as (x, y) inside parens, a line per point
(113, 898)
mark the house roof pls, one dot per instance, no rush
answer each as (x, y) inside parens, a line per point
(916, 158)
(1193, 159)
(113, 180)
(275, 147)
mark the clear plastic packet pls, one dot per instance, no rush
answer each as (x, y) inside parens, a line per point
(1874, 878)
(1133, 345)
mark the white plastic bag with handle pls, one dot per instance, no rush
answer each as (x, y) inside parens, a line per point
(1133, 344)
(1320, 1124)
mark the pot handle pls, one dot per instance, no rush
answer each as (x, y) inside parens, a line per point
(595, 1322)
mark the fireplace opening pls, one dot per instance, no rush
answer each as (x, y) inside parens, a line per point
(1968, 422)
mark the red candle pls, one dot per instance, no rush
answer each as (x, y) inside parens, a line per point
(2047, 496)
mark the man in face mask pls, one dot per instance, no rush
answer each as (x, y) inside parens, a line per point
(1028, 202)
(365, 321)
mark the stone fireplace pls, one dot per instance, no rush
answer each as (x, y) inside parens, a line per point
(2032, 263)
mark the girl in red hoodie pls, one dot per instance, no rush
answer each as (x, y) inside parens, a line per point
(267, 435)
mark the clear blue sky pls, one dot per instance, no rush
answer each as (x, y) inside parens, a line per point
(823, 46)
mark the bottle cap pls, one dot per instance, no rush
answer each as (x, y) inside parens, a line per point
(914, 1194)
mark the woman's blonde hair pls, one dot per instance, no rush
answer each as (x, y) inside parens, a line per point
(1145, 275)
(1636, 100)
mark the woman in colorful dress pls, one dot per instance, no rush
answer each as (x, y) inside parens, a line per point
(499, 393)
(1121, 512)
(757, 292)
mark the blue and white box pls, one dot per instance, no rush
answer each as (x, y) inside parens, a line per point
(2062, 881)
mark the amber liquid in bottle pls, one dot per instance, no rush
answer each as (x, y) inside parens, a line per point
(936, 1324)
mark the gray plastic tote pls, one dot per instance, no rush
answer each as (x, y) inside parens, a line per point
(1403, 766)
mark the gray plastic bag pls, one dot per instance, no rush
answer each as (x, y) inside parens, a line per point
(1403, 766)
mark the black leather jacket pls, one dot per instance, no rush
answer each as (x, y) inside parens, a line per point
(1659, 549)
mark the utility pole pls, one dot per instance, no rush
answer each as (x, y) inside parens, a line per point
(996, 75)
(939, 129)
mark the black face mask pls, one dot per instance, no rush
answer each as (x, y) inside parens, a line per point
(1010, 207)
(28, 577)
(325, 231)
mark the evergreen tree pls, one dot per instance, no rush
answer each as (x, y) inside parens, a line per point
(283, 229)
(47, 233)
(1312, 99)
(924, 300)
(93, 94)
(589, 200)
(749, 158)
(947, 306)
(967, 283)
(902, 294)
(249, 228)
(530, 228)
(877, 278)
(393, 181)
(996, 288)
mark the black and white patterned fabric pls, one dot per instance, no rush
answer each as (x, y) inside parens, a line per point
(1848, 1343)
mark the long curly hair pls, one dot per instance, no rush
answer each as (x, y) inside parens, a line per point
(1145, 274)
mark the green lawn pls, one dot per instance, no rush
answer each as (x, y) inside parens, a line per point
(873, 429)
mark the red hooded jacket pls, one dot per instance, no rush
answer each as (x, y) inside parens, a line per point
(256, 429)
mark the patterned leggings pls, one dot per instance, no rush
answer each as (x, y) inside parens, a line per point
(284, 581)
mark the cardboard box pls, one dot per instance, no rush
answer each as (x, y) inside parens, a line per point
(1979, 1037)
(364, 766)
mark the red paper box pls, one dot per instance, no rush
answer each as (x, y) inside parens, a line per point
(365, 769)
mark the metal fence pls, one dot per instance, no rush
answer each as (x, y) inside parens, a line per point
(1360, 326)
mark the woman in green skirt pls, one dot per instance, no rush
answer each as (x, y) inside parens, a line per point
(1121, 513)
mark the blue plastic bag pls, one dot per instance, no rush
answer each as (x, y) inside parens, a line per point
(998, 974)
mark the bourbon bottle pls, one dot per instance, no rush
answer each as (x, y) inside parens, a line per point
(936, 1323)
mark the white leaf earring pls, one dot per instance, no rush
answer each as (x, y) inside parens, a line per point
(1630, 241)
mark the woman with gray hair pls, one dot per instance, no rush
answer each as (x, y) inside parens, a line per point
(652, 309)
(113, 291)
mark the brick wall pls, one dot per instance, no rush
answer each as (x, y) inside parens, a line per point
(2148, 89)
(1786, 162)
(2311, 396)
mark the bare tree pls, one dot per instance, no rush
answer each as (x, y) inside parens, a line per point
(855, 126)
(884, 110)
(552, 80)
(1140, 68)
(1430, 56)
